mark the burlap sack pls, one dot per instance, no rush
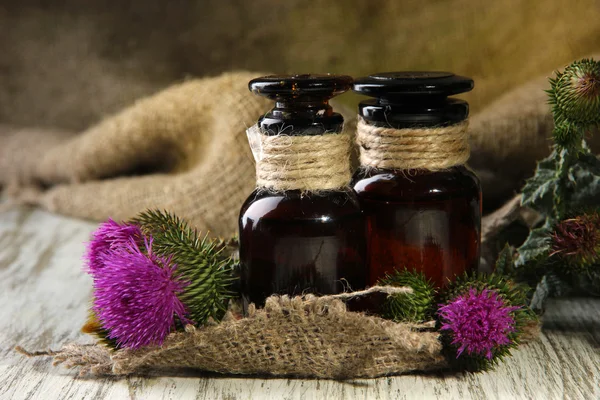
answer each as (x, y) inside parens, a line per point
(185, 150)
(303, 337)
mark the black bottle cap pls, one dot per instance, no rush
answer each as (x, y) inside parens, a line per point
(413, 99)
(301, 102)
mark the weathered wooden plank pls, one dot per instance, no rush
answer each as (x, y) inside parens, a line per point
(44, 297)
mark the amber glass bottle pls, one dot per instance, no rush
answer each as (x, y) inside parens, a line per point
(418, 219)
(293, 241)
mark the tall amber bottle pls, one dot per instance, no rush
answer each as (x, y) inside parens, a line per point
(296, 241)
(417, 218)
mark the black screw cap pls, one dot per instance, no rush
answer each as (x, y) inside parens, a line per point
(402, 84)
(413, 99)
(279, 87)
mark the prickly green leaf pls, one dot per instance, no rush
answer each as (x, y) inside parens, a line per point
(505, 264)
(551, 285)
(540, 294)
(584, 178)
(538, 192)
(536, 247)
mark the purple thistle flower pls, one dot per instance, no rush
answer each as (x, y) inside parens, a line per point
(478, 322)
(109, 236)
(136, 296)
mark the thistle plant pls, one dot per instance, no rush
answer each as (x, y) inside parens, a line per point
(417, 306)
(151, 276)
(480, 318)
(568, 179)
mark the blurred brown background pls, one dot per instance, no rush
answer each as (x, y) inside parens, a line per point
(67, 64)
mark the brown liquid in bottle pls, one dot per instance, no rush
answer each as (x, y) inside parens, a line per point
(293, 242)
(418, 219)
(426, 221)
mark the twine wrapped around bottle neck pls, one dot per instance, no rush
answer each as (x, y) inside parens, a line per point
(307, 163)
(432, 149)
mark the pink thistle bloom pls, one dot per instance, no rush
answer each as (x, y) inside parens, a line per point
(136, 296)
(478, 322)
(108, 237)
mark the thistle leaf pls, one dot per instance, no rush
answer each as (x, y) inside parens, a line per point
(550, 285)
(505, 264)
(536, 248)
(584, 178)
(538, 192)
(540, 294)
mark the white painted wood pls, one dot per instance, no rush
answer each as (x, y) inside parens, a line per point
(44, 297)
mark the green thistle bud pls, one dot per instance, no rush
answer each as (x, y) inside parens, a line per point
(202, 262)
(409, 307)
(575, 93)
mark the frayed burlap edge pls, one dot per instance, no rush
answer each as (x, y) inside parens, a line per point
(307, 336)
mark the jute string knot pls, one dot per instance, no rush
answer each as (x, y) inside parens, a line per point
(432, 149)
(305, 162)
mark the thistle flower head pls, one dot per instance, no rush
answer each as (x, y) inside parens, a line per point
(478, 322)
(575, 93)
(109, 236)
(136, 295)
(577, 240)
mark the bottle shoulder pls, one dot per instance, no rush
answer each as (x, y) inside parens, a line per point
(419, 184)
(295, 205)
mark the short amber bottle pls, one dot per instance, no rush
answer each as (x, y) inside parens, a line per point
(418, 219)
(294, 242)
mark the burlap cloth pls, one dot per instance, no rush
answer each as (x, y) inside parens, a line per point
(301, 337)
(184, 149)
(305, 337)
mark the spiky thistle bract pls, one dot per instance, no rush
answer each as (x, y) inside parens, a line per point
(201, 261)
(417, 306)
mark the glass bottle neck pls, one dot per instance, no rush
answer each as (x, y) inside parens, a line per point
(301, 117)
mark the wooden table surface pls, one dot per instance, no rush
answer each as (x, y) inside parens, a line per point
(44, 297)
